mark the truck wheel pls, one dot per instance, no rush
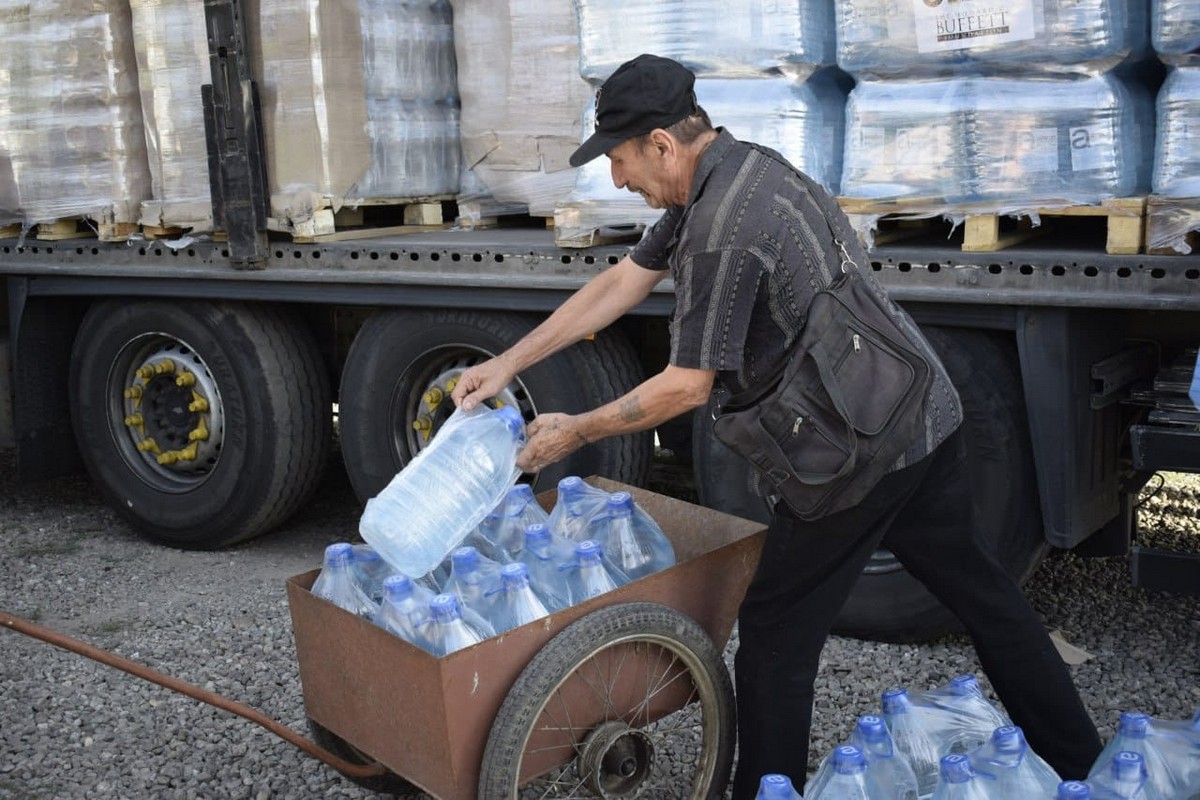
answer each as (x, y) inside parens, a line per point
(396, 383)
(204, 424)
(888, 604)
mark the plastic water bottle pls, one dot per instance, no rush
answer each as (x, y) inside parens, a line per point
(846, 780)
(888, 770)
(576, 506)
(1176, 150)
(590, 577)
(370, 570)
(518, 511)
(1179, 743)
(449, 632)
(1073, 790)
(405, 611)
(776, 787)
(336, 582)
(1123, 777)
(516, 602)
(631, 540)
(1135, 735)
(446, 490)
(475, 580)
(1016, 772)
(958, 781)
(546, 554)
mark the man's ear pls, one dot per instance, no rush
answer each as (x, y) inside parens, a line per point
(663, 143)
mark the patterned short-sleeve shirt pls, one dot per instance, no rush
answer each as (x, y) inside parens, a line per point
(755, 242)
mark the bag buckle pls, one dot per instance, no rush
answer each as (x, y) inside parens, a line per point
(847, 261)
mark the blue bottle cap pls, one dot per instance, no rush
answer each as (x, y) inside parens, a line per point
(537, 533)
(513, 419)
(1128, 766)
(956, 768)
(1133, 724)
(465, 558)
(871, 728)
(397, 587)
(894, 701)
(514, 574)
(1009, 739)
(519, 496)
(1074, 790)
(776, 787)
(620, 504)
(445, 608)
(965, 684)
(339, 554)
(570, 485)
(588, 551)
(848, 760)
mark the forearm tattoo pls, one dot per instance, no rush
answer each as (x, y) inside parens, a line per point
(631, 410)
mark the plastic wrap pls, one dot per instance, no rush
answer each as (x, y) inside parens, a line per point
(518, 77)
(930, 38)
(1175, 30)
(803, 121)
(338, 126)
(172, 57)
(734, 38)
(70, 116)
(998, 144)
(1177, 146)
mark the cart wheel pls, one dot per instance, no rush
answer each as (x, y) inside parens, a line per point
(389, 783)
(632, 700)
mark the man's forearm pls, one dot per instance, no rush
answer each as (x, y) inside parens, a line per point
(658, 399)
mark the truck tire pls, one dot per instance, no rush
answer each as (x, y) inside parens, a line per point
(203, 423)
(402, 364)
(888, 604)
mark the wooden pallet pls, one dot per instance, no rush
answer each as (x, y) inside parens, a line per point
(371, 218)
(1166, 217)
(85, 228)
(983, 231)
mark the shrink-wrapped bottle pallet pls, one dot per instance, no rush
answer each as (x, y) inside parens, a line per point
(1173, 222)
(71, 134)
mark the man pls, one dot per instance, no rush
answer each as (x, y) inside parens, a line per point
(748, 241)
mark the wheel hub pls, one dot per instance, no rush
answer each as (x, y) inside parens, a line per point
(435, 406)
(616, 759)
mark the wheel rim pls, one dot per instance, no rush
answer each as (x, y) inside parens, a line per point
(421, 401)
(165, 412)
(631, 719)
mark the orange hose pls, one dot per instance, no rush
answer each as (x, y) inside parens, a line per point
(182, 687)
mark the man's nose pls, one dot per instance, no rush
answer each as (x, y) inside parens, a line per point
(617, 178)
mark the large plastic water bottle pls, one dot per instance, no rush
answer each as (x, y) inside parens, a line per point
(1123, 777)
(589, 575)
(475, 580)
(846, 780)
(888, 770)
(631, 540)
(776, 787)
(576, 506)
(1134, 735)
(370, 570)
(516, 603)
(957, 781)
(1176, 149)
(336, 582)
(1016, 772)
(446, 490)
(1179, 743)
(405, 611)
(548, 557)
(516, 512)
(449, 632)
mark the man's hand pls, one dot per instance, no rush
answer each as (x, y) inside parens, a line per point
(482, 382)
(550, 438)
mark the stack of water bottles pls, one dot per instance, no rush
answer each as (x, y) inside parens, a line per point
(952, 744)
(456, 552)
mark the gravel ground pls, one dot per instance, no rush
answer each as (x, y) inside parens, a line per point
(72, 728)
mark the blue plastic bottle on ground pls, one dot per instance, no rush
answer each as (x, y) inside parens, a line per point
(516, 603)
(1073, 790)
(446, 490)
(336, 582)
(1123, 777)
(1135, 735)
(1014, 770)
(546, 554)
(475, 580)
(405, 611)
(888, 770)
(370, 570)
(776, 787)
(632, 541)
(448, 631)
(589, 576)
(957, 781)
(576, 506)
(846, 780)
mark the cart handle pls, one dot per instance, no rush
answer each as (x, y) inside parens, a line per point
(182, 687)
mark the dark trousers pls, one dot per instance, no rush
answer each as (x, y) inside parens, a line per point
(806, 573)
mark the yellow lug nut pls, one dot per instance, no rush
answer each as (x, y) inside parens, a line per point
(422, 424)
(169, 457)
(133, 393)
(190, 452)
(134, 420)
(148, 445)
(450, 384)
(434, 397)
(200, 433)
(165, 367)
(185, 379)
(146, 372)
(199, 404)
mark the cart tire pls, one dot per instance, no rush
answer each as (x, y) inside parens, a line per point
(389, 783)
(203, 423)
(584, 661)
(400, 355)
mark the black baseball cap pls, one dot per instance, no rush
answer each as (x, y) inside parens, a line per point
(645, 93)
